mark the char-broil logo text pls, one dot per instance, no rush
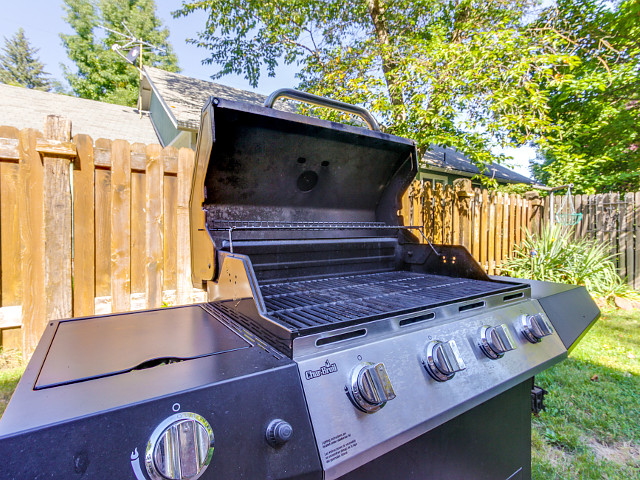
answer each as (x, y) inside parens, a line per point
(326, 369)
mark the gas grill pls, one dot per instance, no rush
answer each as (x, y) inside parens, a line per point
(336, 342)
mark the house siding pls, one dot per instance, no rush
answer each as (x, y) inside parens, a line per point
(161, 121)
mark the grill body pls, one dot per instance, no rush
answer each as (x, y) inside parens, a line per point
(327, 316)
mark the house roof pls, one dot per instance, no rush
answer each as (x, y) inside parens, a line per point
(451, 161)
(183, 97)
(28, 108)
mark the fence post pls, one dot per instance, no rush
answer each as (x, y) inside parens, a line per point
(57, 152)
(464, 193)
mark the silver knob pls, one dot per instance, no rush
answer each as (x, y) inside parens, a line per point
(179, 448)
(442, 360)
(496, 341)
(370, 388)
(534, 327)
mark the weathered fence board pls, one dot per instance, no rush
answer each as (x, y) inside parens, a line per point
(84, 257)
(31, 215)
(138, 218)
(10, 269)
(120, 226)
(102, 157)
(154, 225)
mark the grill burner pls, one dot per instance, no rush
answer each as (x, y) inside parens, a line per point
(303, 305)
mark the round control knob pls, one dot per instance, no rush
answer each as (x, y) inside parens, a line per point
(179, 448)
(534, 327)
(442, 360)
(370, 388)
(496, 341)
(278, 432)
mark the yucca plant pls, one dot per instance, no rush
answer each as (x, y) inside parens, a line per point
(554, 256)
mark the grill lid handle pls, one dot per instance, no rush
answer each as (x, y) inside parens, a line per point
(311, 99)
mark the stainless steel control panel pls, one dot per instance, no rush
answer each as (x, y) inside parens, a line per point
(369, 395)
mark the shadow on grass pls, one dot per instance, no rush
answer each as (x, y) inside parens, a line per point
(591, 427)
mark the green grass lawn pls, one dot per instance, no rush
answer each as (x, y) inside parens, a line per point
(11, 369)
(591, 428)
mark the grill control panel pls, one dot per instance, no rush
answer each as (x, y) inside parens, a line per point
(433, 371)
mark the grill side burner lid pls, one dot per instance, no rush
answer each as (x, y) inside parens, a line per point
(259, 164)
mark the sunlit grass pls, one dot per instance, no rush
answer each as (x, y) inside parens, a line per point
(11, 369)
(591, 428)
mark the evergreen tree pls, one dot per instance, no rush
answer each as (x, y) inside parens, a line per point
(20, 66)
(100, 73)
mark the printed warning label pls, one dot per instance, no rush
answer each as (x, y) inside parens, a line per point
(338, 446)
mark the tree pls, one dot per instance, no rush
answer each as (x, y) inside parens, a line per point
(470, 74)
(596, 142)
(100, 73)
(20, 66)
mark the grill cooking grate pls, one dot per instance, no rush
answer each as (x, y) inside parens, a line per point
(324, 302)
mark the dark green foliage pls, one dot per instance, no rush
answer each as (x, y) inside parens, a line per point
(20, 66)
(596, 141)
(100, 73)
(554, 256)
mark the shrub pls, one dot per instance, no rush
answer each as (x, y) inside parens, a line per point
(554, 256)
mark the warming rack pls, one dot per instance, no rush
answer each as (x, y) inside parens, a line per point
(231, 226)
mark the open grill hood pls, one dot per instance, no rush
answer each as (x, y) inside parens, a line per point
(257, 164)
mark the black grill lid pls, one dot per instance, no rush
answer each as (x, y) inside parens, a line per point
(264, 164)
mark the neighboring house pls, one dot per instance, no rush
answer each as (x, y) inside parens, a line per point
(175, 102)
(27, 108)
(171, 107)
(444, 165)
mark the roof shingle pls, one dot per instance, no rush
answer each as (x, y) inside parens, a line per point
(185, 96)
(27, 108)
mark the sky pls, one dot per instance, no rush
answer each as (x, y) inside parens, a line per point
(43, 22)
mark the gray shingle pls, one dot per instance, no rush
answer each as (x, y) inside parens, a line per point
(26, 108)
(185, 96)
(451, 159)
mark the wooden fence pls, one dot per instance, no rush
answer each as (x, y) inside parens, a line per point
(490, 224)
(89, 227)
(613, 219)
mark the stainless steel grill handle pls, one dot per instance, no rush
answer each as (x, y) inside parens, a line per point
(292, 94)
